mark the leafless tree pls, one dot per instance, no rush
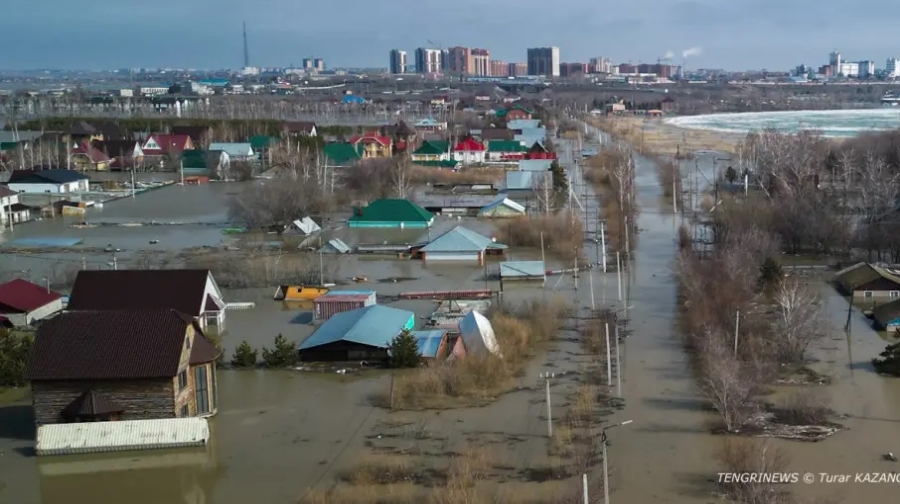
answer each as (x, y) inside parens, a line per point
(402, 179)
(799, 319)
(730, 385)
(745, 457)
(274, 204)
(542, 186)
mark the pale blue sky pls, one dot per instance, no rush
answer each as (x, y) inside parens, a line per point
(733, 34)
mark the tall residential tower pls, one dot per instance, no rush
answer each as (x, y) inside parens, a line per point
(543, 61)
(398, 62)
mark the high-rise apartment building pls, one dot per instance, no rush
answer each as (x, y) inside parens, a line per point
(892, 68)
(319, 64)
(481, 62)
(398, 62)
(543, 61)
(460, 61)
(499, 69)
(600, 65)
(517, 69)
(428, 61)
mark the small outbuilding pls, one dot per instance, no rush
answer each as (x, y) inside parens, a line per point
(477, 335)
(461, 244)
(391, 213)
(887, 316)
(523, 270)
(433, 344)
(305, 226)
(334, 302)
(363, 334)
(335, 246)
(23, 303)
(501, 208)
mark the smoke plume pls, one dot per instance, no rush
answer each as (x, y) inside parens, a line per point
(669, 55)
(693, 51)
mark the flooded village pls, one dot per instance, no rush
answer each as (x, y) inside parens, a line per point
(237, 323)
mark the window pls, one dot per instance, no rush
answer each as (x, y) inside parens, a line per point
(867, 294)
(202, 387)
(185, 411)
(182, 380)
(187, 343)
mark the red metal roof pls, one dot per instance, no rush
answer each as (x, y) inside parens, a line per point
(23, 296)
(469, 144)
(342, 298)
(92, 153)
(371, 137)
(168, 143)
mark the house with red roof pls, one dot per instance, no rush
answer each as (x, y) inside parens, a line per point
(469, 151)
(87, 157)
(373, 145)
(22, 303)
(538, 151)
(164, 145)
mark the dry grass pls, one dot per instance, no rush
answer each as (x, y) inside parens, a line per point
(381, 470)
(563, 234)
(670, 180)
(656, 137)
(804, 407)
(609, 172)
(479, 379)
(428, 175)
(376, 494)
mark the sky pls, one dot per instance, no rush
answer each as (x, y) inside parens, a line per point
(729, 34)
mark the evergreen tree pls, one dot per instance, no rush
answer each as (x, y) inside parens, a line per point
(730, 175)
(770, 275)
(560, 179)
(283, 355)
(15, 349)
(889, 364)
(244, 356)
(404, 351)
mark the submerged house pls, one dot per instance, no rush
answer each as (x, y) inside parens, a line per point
(501, 208)
(867, 282)
(190, 291)
(361, 334)
(887, 316)
(461, 244)
(305, 226)
(391, 213)
(477, 334)
(22, 303)
(298, 293)
(91, 366)
(340, 155)
(437, 345)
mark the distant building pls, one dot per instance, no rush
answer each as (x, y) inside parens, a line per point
(600, 65)
(318, 64)
(481, 61)
(517, 69)
(499, 69)
(460, 61)
(398, 62)
(866, 69)
(891, 68)
(572, 69)
(428, 61)
(543, 61)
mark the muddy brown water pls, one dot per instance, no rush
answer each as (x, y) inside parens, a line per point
(278, 434)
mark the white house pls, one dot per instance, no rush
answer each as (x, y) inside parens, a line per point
(235, 151)
(48, 181)
(10, 207)
(469, 151)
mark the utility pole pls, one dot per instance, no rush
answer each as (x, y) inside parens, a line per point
(618, 365)
(115, 262)
(584, 486)
(547, 377)
(627, 248)
(83, 263)
(619, 274)
(603, 241)
(591, 280)
(132, 182)
(543, 259)
(608, 359)
(321, 265)
(605, 459)
(737, 326)
(182, 171)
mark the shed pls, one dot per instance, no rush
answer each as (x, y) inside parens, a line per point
(478, 335)
(522, 270)
(298, 293)
(433, 344)
(887, 316)
(461, 244)
(335, 246)
(126, 435)
(502, 207)
(334, 302)
(535, 165)
(391, 213)
(236, 151)
(47, 181)
(23, 303)
(868, 282)
(304, 226)
(361, 334)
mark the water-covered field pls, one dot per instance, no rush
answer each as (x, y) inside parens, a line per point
(831, 123)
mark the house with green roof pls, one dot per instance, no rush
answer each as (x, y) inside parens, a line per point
(391, 213)
(205, 162)
(340, 155)
(262, 143)
(431, 150)
(499, 151)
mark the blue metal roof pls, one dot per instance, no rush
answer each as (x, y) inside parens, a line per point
(511, 269)
(233, 149)
(374, 325)
(460, 239)
(429, 342)
(535, 164)
(503, 200)
(519, 180)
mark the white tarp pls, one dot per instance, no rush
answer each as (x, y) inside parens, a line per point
(305, 226)
(478, 335)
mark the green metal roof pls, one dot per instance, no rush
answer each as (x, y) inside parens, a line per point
(196, 158)
(433, 147)
(392, 210)
(340, 154)
(505, 146)
(444, 163)
(262, 142)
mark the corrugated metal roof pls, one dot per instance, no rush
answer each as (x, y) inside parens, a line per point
(522, 269)
(535, 164)
(373, 325)
(337, 245)
(519, 180)
(460, 239)
(99, 437)
(429, 342)
(504, 202)
(348, 295)
(233, 149)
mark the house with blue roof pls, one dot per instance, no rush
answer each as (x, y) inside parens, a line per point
(461, 244)
(237, 151)
(353, 100)
(436, 345)
(363, 334)
(430, 124)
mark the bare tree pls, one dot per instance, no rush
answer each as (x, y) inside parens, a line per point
(799, 319)
(745, 457)
(730, 384)
(274, 204)
(542, 186)
(402, 179)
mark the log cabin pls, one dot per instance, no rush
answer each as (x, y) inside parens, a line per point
(121, 365)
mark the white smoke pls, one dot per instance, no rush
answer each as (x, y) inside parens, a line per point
(693, 51)
(669, 55)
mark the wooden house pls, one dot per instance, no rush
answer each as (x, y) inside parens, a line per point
(867, 282)
(121, 365)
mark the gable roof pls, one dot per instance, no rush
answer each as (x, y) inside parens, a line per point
(182, 290)
(45, 176)
(460, 239)
(109, 345)
(340, 154)
(115, 148)
(535, 164)
(94, 154)
(233, 149)
(505, 146)
(433, 148)
(374, 325)
(393, 210)
(371, 137)
(469, 145)
(6, 192)
(23, 296)
(91, 403)
(299, 126)
(496, 134)
(537, 147)
(862, 273)
(504, 201)
(167, 143)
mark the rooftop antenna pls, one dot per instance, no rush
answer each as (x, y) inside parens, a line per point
(246, 50)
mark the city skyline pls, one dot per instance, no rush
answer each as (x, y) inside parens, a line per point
(738, 35)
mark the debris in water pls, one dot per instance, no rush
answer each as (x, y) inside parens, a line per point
(154, 242)
(889, 457)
